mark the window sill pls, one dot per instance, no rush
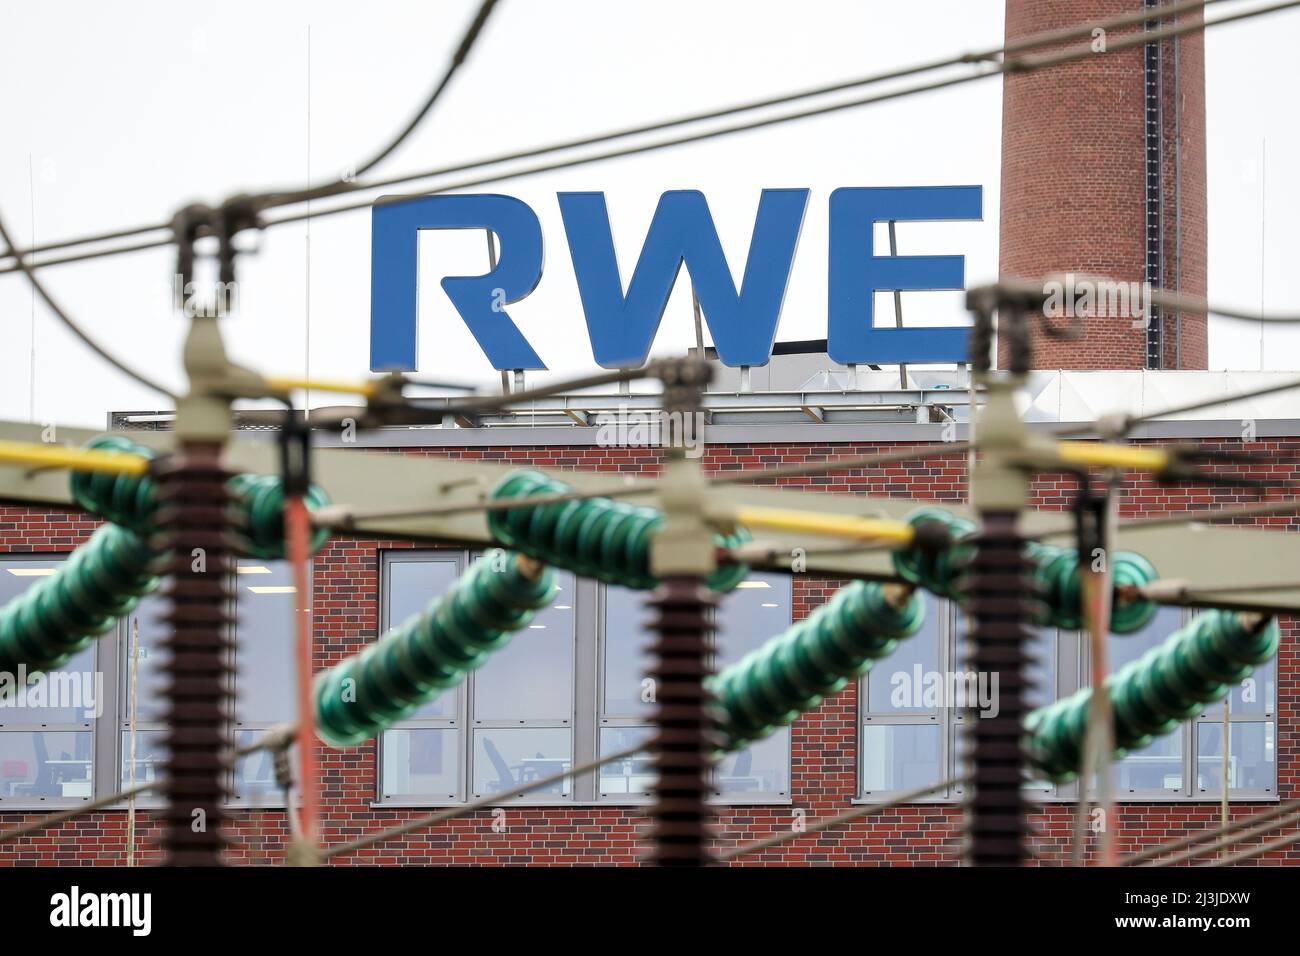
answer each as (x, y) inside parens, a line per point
(572, 804)
(1055, 799)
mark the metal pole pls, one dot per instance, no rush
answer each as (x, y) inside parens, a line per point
(1223, 800)
(130, 772)
(898, 302)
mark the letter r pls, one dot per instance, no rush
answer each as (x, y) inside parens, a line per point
(394, 276)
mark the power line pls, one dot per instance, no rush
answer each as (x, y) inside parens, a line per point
(826, 823)
(77, 330)
(1021, 64)
(346, 184)
(492, 800)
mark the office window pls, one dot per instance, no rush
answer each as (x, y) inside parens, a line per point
(913, 703)
(263, 679)
(1156, 769)
(509, 723)
(47, 738)
(910, 740)
(422, 756)
(568, 687)
(1188, 763)
(145, 629)
(904, 716)
(756, 611)
(747, 618)
(265, 670)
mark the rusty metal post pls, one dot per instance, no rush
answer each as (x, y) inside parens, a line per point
(682, 556)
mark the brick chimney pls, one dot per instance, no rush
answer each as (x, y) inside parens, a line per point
(1103, 172)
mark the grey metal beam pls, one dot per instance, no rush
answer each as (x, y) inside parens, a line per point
(1204, 557)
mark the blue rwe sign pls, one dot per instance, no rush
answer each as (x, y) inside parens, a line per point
(621, 326)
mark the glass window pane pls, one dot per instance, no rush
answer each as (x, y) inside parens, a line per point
(1043, 651)
(759, 609)
(1254, 696)
(46, 765)
(150, 679)
(900, 757)
(17, 574)
(531, 678)
(631, 775)
(897, 684)
(411, 586)
(150, 755)
(1157, 766)
(255, 773)
(626, 637)
(761, 768)
(266, 677)
(505, 758)
(1252, 757)
(60, 697)
(1122, 648)
(73, 694)
(423, 762)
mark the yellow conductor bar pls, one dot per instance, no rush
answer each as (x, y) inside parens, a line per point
(287, 383)
(1113, 456)
(80, 459)
(884, 530)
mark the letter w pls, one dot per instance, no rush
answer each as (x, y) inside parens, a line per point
(622, 327)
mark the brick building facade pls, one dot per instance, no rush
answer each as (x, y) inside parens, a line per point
(825, 751)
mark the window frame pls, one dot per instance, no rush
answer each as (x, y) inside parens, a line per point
(608, 721)
(462, 721)
(99, 661)
(1070, 674)
(586, 721)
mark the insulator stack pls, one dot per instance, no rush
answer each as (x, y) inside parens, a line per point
(132, 501)
(59, 616)
(687, 722)
(1058, 580)
(816, 657)
(997, 586)
(1057, 577)
(1195, 667)
(193, 521)
(361, 697)
(594, 537)
(260, 515)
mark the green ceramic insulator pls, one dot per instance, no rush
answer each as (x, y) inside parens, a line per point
(131, 501)
(62, 614)
(364, 695)
(595, 537)
(1057, 577)
(261, 506)
(937, 571)
(792, 673)
(1151, 695)
(127, 500)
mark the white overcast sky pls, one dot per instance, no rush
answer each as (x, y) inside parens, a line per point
(117, 114)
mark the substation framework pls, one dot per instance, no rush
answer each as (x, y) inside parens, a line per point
(179, 506)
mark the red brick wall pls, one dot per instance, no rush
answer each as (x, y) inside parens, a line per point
(823, 742)
(1073, 180)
